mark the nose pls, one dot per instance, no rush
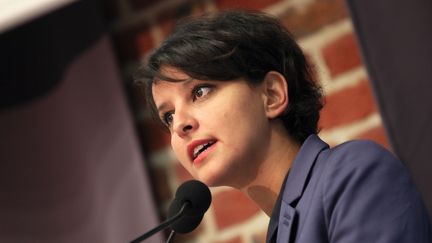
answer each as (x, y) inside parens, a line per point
(184, 123)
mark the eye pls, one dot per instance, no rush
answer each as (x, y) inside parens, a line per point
(201, 91)
(168, 118)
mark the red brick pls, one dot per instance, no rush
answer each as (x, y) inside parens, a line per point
(313, 16)
(167, 26)
(232, 207)
(144, 42)
(245, 4)
(376, 134)
(342, 55)
(347, 105)
(199, 8)
(182, 173)
(237, 239)
(178, 11)
(168, 18)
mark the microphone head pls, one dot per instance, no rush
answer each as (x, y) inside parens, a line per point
(198, 197)
(197, 194)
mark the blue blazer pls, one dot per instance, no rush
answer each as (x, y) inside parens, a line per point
(357, 192)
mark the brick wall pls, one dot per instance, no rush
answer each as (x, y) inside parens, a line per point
(322, 28)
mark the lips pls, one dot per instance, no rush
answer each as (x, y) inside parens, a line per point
(197, 148)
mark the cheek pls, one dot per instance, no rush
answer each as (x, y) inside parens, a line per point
(246, 113)
(178, 149)
(239, 120)
(250, 125)
(237, 108)
(180, 152)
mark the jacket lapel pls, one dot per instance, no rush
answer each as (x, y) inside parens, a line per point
(286, 218)
(295, 185)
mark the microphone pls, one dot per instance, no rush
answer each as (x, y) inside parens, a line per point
(198, 196)
(191, 201)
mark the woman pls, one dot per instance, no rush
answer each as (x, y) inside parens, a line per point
(237, 95)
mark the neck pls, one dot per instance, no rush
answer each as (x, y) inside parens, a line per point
(265, 188)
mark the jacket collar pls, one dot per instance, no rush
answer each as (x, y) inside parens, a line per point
(300, 168)
(295, 181)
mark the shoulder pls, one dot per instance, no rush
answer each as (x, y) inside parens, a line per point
(363, 162)
(358, 155)
(356, 172)
(360, 150)
(366, 188)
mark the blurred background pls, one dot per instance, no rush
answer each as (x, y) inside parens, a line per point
(81, 158)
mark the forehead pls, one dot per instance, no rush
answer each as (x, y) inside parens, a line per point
(169, 76)
(171, 73)
(164, 89)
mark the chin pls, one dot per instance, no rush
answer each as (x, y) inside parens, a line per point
(209, 181)
(212, 180)
(216, 180)
(216, 173)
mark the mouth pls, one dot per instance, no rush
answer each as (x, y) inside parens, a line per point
(197, 148)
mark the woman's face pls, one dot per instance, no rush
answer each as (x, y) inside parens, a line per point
(219, 129)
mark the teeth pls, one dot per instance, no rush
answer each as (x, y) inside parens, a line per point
(198, 149)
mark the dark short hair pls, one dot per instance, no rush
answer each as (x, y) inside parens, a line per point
(240, 44)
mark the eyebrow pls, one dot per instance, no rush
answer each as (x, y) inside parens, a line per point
(185, 82)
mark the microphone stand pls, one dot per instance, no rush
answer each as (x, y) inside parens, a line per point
(171, 236)
(163, 225)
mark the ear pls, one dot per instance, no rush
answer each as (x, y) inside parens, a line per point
(275, 94)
